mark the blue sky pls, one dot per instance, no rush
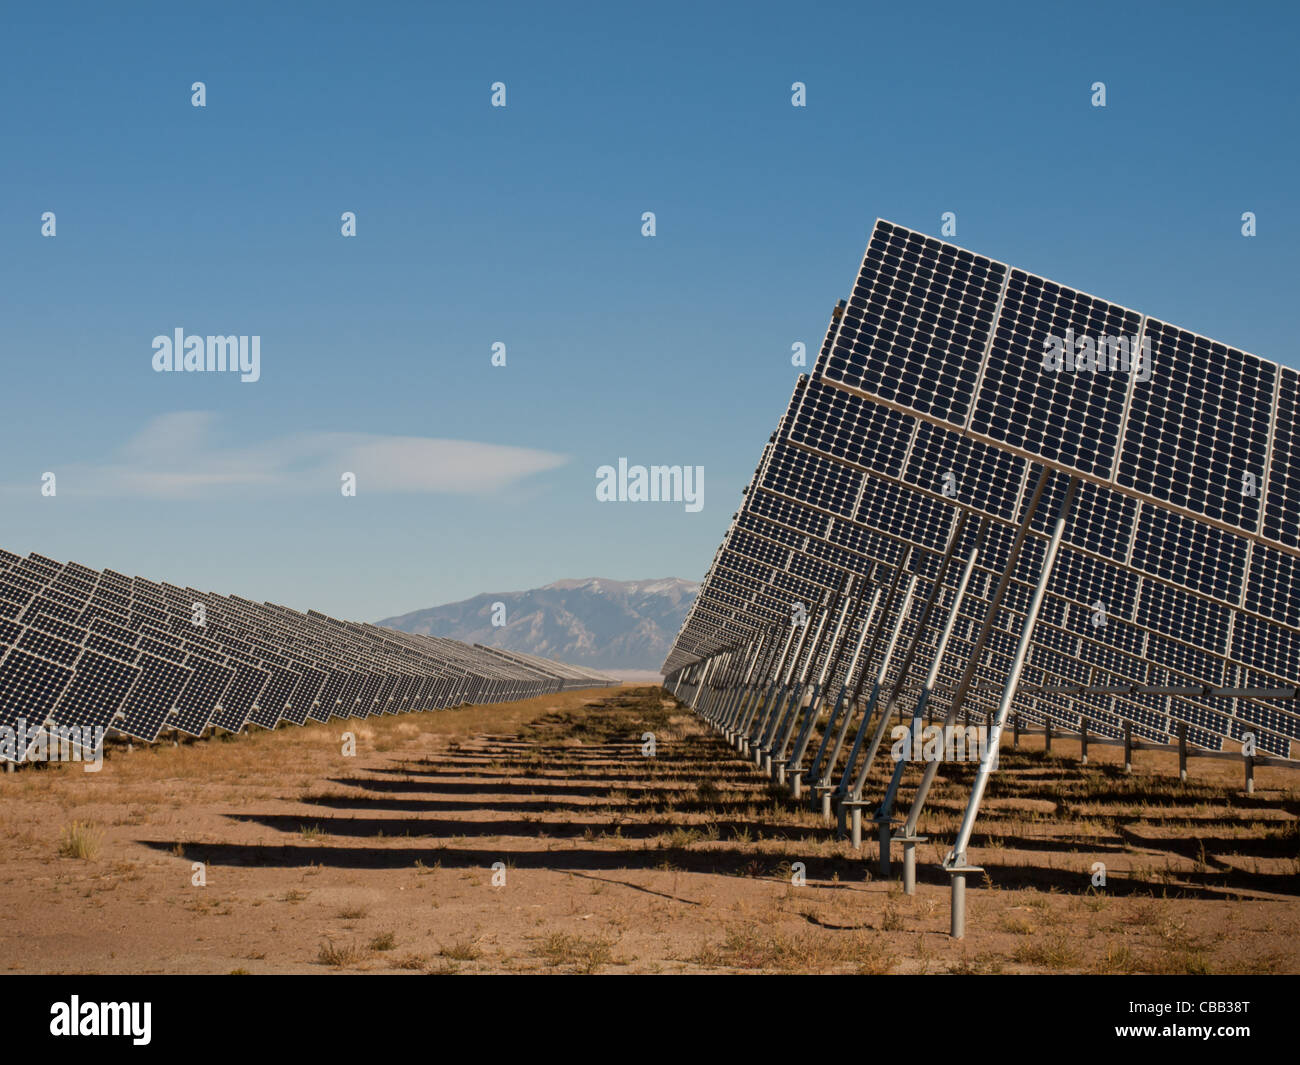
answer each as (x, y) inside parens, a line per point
(523, 225)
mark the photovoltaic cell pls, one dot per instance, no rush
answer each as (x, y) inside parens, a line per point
(1198, 431)
(310, 683)
(198, 700)
(98, 688)
(151, 699)
(1281, 521)
(894, 509)
(967, 470)
(1070, 417)
(32, 685)
(832, 422)
(274, 697)
(1184, 617)
(821, 484)
(916, 327)
(1190, 553)
(1270, 588)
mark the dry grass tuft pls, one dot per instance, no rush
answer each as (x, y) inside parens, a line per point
(81, 839)
(340, 955)
(583, 954)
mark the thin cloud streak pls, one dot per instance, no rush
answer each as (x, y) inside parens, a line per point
(181, 456)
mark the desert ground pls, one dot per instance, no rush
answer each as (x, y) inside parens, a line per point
(537, 837)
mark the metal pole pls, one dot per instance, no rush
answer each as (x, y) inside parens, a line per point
(758, 692)
(884, 813)
(1182, 747)
(879, 683)
(841, 699)
(722, 660)
(959, 524)
(757, 709)
(957, 927)
(704, 681)
(830, 660)
(739, 661)
(825, 778)
(957, 862)
(972, 665)
(774, 712)
(753, 655)
(739, 657)
(745, 706)
(785, 728)
(774, 685)
(816, 647)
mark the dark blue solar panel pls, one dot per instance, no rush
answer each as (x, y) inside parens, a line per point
(1197, 432)
(1190, 553)
(1069, 415)
(836, 423)
(917, 324)
(1282, 507)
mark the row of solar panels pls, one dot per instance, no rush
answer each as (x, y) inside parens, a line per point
(83, 651)
(1062, 654)
(1143, 638)
(852, 486)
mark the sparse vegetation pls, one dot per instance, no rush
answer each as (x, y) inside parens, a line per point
(340, 955)
(684, 860)
(461, 950)
(82, 840)
(583, 954)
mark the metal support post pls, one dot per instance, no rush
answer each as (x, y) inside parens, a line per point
(885, 811)
(904, 667)
(956, 863)
(1182, 749)
(830, 660)
(876, 687)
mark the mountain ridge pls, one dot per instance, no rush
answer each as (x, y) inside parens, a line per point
(597, 622)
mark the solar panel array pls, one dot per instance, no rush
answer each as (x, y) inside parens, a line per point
(931, 399)
(84, 652)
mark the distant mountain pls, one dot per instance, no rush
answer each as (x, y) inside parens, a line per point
(624, 627)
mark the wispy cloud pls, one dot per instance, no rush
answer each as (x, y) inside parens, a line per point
(183, 455)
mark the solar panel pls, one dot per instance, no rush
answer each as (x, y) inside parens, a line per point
(917, 324)
(209, 680)
(960, 340)
(150, 701)
(934, 337)
(98, 688)
(1198, 432)
(32, 685)
(1072, 419)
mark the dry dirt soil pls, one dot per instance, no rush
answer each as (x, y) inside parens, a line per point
(537, 837)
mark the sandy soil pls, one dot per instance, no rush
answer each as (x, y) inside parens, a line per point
(614, 862)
